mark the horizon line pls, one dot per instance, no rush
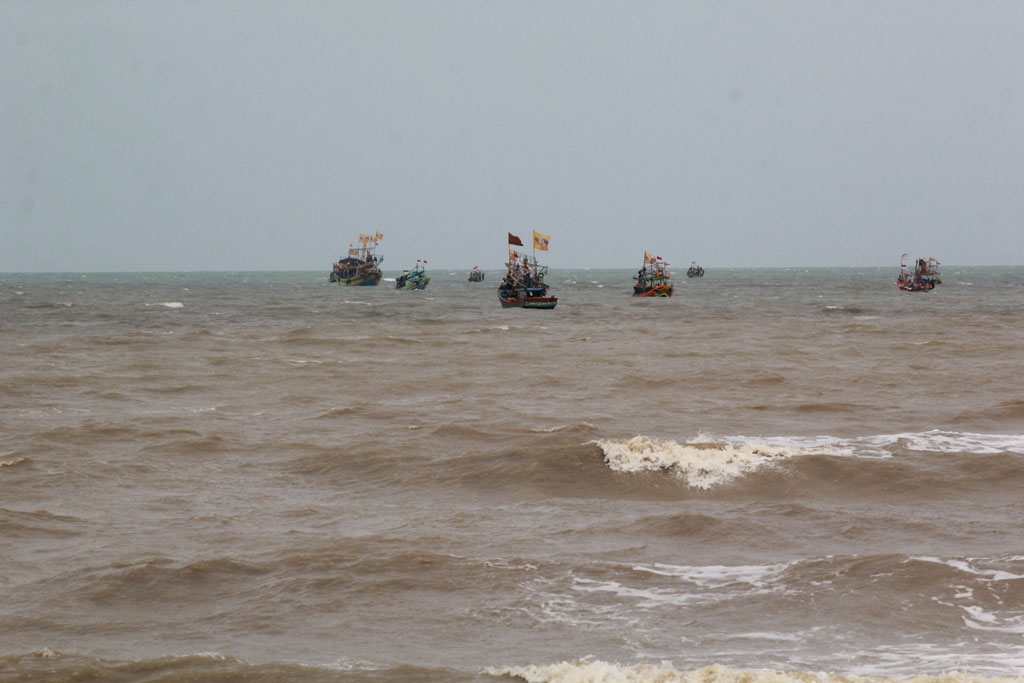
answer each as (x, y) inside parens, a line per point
(317, 270)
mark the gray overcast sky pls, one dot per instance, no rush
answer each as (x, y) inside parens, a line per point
(231, 135)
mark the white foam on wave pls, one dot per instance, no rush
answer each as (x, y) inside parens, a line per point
(591, 671)
(713, 576)
(957, 442)
(707, 461)
(561, 428)
(976, 616)
(965, 566)
(952, 442)
(169, 304)
(691, 585)
(882, 445)
(702, 465)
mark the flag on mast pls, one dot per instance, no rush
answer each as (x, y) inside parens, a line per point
(512, 239)
(540, 240)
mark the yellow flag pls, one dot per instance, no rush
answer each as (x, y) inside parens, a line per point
(363, 239)
(540, 240)
(649, 257)
(379, 236)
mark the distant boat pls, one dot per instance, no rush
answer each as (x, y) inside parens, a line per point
(653, 278)
(361, 268)
(923, 278)
(523, 285)
(694, 270)
(476, 275)
(416, 278)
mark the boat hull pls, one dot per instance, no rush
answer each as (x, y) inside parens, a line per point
(371, 279)
(660, 290)
(543, 302)
(915, 287)
(409, 284)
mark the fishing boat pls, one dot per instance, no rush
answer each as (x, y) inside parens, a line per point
(523, 285)
(476, 275)
(362, 265)
(416, 278)
(653, 278)
(694, 270)
(922, 278)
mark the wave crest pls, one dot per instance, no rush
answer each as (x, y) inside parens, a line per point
(702, 465)
(566, 672)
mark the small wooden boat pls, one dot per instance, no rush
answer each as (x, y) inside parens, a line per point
(923, 278)
(361, 268)
(523, 285)
(653, 279)
(416, 278)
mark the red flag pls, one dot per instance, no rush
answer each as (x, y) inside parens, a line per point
(512, 239)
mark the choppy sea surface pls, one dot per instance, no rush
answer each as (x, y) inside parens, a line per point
(786, 474)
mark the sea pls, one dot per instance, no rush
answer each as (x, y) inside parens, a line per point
(790, 474)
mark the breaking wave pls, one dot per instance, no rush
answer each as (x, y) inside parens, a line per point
(585, 671)
(705, 462)
(702, 465)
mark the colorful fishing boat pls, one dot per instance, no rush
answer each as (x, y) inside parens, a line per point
(922, 278)
(362, 265)
(523, 285)
(694, 270)
(416, 278)
(476, 275)
(653, 278)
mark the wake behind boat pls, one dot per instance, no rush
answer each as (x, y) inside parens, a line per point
(362, 265)
(653, 278)
(523, 285)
